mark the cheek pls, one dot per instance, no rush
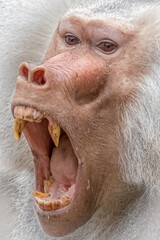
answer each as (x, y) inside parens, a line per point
(126, 85)
(122, 81)
(89, 83)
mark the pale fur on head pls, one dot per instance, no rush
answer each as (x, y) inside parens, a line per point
(140, 148)
(26, 30)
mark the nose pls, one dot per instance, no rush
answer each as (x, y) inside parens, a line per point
(31, 73)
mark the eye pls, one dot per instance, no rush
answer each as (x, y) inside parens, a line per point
(108, 46)
(71, 40)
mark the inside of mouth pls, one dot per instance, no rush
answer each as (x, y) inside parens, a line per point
(55, 167)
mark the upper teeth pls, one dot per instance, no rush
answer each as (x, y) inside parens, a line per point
(25, 114)
(28, 114)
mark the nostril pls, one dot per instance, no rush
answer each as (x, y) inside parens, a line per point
(39, 78)
(25, 72)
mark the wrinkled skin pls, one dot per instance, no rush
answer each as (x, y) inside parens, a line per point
(84, 91)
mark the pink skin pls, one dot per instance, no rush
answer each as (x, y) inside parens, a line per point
(82, 89)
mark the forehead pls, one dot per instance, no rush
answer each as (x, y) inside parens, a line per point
(86, 22)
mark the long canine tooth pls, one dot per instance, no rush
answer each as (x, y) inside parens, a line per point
(55, 132)
(19, 125)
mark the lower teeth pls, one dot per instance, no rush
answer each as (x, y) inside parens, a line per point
(45, 202)
(54, 205)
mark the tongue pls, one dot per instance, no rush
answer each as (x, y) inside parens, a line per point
(63, 163)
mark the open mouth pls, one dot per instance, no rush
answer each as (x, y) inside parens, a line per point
(56, 165)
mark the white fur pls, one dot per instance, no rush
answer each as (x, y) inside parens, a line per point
(25, 30)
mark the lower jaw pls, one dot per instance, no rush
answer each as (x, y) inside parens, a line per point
(67, 200)
(57, 223)
(59, 197)
(64, 221)
(60, 222)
